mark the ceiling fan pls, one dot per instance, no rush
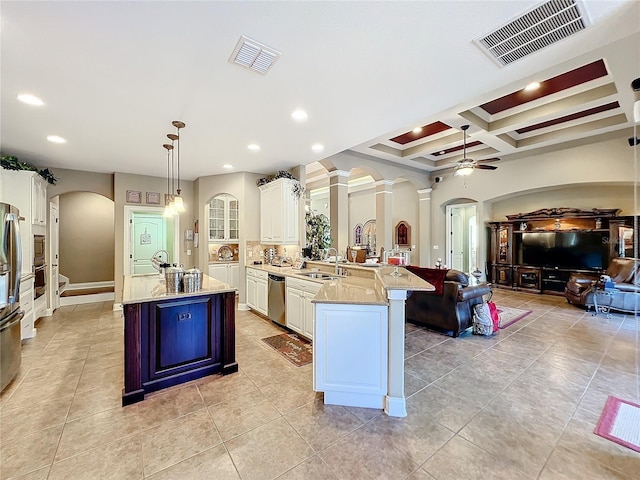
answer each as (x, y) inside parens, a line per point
(465, 166)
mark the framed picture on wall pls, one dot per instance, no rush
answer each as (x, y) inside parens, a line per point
(153, 198)
(134, 196)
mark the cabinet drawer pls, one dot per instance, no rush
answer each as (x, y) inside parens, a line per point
(261, 274)
(304, 285)
(26, 302)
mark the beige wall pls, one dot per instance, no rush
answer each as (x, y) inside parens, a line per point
(123, 182)
(86, 237)
(74, 180)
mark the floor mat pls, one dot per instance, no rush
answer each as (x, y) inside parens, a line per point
(295, 349)
(620, 423)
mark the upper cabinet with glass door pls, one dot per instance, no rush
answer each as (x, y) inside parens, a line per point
(223, 219)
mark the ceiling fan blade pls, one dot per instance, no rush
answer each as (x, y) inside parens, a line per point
(485, 167)
(486, 160)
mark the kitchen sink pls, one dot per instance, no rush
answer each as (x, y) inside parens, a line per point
(319, 275)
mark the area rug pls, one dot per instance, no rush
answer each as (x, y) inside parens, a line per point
(509, 316)
(620, 423)
(295, 349)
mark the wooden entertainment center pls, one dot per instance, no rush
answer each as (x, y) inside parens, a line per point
(514, 265)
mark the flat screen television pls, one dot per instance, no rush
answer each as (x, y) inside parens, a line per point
(579, 250)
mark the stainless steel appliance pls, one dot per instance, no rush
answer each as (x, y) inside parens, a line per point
(10, 313)
(39, 266)
(276, 299)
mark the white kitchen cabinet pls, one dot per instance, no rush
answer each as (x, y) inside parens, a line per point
(225, 272)
(279, 213)
(257, 290)
(299, 294)
(28, 192)
(350, 346)
(26, 304)
(223, 219)
(38, 201)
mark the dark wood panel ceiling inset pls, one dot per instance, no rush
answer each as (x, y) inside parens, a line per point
(556, 84)
(431, 129)
(456, 148)
(568, 118)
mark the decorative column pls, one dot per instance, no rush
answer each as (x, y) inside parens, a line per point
(395, 404)
(424, 227)
(384, 215)
(339, 209)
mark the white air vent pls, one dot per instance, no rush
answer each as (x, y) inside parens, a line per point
(543, 26)
(254, 55)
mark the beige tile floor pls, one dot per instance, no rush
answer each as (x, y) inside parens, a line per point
(521, 405)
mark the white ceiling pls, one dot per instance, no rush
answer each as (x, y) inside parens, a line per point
(113, 75)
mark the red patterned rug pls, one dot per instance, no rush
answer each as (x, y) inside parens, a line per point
(620, 423)
(509, 316)
(292, 347)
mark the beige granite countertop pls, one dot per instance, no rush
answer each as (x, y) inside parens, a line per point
(362, 285)
(151, 287)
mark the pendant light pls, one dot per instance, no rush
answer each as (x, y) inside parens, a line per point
(178, 203)
(169, 210)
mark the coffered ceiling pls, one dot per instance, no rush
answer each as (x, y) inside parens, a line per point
(114, 75)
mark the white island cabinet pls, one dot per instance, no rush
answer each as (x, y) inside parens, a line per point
(350, 346)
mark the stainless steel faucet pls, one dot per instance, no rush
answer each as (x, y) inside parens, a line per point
(329, 255)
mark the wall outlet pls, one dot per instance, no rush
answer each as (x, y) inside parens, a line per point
(188, 251)
(250, 253)
(435, 247)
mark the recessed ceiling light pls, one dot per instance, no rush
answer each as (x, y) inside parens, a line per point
(299, 115)
(254, 147)
(532, 86)
(30, 99)
(442, 152)
(317, 147)
(56, 139)
(226, 166)
(417, 130)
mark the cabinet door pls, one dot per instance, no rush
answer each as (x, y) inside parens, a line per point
(307, 328)
(269, 205)
(233, 275)
(262, 296)
(251, 292)
(295, 309)
(504, 244)
(216, 219)
(233, 223)
(290, 220)
(219, 272)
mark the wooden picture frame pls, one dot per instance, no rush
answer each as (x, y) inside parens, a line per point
(134, 196)
(153, 198)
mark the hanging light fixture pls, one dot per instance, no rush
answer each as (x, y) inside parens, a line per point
(178, 203)
(169, 210)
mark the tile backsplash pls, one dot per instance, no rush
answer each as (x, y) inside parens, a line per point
(255, 251)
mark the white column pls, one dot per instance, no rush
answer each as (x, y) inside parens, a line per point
(424, 227)
(339, 209)
(395, 402)
(384, 215)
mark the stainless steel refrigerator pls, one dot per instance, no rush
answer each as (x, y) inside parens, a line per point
(10, 313)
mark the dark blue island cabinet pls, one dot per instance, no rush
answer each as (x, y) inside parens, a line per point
(175, 340)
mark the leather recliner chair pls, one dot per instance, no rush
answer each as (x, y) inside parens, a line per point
(626, 282)
(448, 309)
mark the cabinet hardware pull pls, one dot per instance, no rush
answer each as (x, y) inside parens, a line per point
(184, 316)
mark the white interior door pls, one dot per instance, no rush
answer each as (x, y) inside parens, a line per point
(54, 255)
(456, 234)
(148, 236)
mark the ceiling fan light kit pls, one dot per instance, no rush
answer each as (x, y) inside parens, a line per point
(465, 166)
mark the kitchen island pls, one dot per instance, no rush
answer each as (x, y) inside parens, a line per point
(172, 338)
(358, 332)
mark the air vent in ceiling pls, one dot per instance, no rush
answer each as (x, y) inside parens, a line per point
(545, 25)
(254, 55)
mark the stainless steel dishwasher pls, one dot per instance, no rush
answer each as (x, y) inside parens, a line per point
(276, 299)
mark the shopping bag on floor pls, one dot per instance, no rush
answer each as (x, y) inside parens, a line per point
(482, 323)
(495, 316)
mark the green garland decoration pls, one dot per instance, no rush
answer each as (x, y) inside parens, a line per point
(9, 162)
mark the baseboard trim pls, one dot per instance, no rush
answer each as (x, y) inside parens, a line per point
(81, 286)
(82, 299)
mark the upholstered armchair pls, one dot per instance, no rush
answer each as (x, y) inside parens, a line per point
(626, 282)
(449, 308)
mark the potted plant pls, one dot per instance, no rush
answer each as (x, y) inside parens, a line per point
(318, 234)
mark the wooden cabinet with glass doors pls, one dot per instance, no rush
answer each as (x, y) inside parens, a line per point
(223, 219)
